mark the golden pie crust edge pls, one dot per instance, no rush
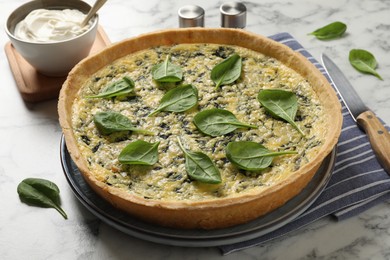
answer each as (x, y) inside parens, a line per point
(209, 214)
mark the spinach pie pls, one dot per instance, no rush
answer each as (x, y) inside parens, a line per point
(198, 128)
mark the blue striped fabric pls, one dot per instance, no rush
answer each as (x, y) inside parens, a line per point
(357, 183)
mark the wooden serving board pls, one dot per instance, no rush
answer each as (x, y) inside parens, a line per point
(35, 87)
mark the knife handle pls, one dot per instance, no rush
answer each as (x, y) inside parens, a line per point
(379, 137)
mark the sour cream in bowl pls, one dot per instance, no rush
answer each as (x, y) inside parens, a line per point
(49, 35)
(44, 25)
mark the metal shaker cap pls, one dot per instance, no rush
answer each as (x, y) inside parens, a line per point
(233, 15)
(191, 16)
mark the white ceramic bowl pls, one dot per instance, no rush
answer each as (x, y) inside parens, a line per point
(52, 58)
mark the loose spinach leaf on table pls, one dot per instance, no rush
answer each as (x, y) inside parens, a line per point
(178, 99)
(330, 31)
(108, 122)
(200, 167)
(41, 193)
(251, 156)
(280, 104)
(216, 122)
(139, 152)
(167, 72)
(228, 71)
(364, 61)
(123, 87)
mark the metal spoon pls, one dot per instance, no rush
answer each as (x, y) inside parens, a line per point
(92, 12)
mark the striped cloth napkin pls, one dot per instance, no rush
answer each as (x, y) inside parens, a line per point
(357, 183)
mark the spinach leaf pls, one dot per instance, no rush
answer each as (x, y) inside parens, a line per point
(216, 122)
(178, 99)
(251, 156)
(228, 71)
(281, 104)
(167, 72)
(200, 167)
(109, 122)
(123, 87)
(363, 61)
(139, 152)
(330, 31)
(41, 193)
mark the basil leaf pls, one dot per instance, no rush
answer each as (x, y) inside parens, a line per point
(281, 104)
(41, 193)
(251, 156)
(122, 87)
(330, 31)
(109, 122)
(178, 99)
(216, 122)
(228, 71)
(200, 167)
(139, 152)
(363, 61)
(167, 72)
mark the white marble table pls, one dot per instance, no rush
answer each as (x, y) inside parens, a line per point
(30, 138)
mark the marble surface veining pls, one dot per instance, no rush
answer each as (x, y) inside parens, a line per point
(30, 138)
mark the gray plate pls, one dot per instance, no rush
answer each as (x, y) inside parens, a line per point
(194, 238)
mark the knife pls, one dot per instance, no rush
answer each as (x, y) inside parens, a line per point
(377, 134)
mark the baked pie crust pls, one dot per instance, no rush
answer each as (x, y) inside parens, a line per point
(209, 213)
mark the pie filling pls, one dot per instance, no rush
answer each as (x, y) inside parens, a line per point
(167, 179)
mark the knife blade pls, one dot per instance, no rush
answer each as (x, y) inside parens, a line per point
(377, 134)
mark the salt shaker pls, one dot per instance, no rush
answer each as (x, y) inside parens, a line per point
(191, 16)
(233, 15)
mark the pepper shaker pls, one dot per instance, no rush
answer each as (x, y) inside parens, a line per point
(191, 16)
(233, 15)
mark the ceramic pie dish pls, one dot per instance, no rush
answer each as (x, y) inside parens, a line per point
(166, 192)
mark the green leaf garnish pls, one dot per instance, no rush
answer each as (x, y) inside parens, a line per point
(330, 31)
(281, 104)
(251, 156)
(228, 71)
(167, 72)
(123, 87)
(364, 61)
(108, 122)
(216, 122)
(41, 193)
(139, 152)
(200, 167)
(178, 99)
